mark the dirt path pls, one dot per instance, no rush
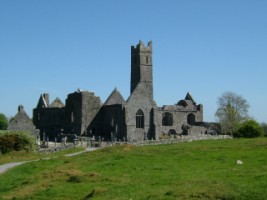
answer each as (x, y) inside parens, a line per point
(7, 166)
(86, 150)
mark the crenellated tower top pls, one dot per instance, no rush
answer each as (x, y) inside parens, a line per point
(141, 47)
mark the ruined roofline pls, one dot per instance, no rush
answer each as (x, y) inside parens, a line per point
(57, 103)
(175, 108)
(190, 98)
(140, 46)
(114, 98)
(79, 91)
(43, 101)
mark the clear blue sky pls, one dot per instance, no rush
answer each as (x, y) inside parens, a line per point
(203, 47)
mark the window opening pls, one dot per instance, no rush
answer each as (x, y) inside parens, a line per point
(191, 118)
(139, 119)
(167, 119)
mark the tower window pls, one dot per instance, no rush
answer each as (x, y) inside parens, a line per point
(147, 59)
(72, 117)
(139, 119)
(167, 119)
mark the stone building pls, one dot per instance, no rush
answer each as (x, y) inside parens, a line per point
(135, 119)
(22, 122)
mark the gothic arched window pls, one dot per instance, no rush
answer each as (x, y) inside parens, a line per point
(139, 119)
(191, 118)
(167, 119)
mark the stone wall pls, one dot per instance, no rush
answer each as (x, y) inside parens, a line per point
(112, 122)
(139, 101)
(195, 130)
(168, 141)
(179, 119)
(81, 109)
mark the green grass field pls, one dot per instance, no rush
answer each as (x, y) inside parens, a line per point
(195, 170)
(17, 156)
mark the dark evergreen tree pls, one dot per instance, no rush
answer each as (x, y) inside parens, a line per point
(3, 122)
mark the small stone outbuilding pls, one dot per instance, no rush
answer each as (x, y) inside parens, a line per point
(22, 122)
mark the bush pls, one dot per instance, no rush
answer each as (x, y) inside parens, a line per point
(264, 127)
(16, 141)
(75, 179)
(3, 122)
(249, 129)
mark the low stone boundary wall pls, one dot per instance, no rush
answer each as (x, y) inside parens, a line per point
(183, 139)
(169, 141)
(101, 144)
(56, 148)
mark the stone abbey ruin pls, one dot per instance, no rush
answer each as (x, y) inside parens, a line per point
(136, 119)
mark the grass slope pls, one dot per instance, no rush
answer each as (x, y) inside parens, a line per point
(196, 170)
(18, 156)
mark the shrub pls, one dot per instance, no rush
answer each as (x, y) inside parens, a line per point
(3, 122)
(249, 129)
(7, 143)
(16, 141)
(264, 127)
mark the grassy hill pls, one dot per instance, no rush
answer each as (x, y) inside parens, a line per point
(195, 170)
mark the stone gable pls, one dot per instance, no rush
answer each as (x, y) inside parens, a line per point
(22, 122)
(115, 98)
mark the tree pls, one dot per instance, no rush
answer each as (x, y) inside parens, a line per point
(249, 129)
(3, 122)
(264, 127)
(232, 111)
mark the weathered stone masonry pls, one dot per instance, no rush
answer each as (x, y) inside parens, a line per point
(136, 119)
(22, 122)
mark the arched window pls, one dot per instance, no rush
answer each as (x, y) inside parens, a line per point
(167, 119)
(191, 118)
(139, 119)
